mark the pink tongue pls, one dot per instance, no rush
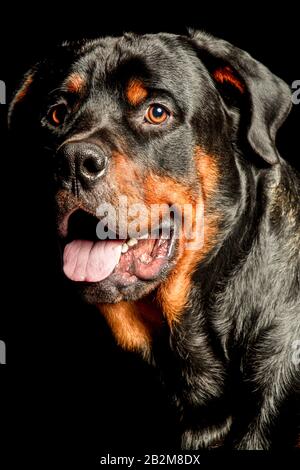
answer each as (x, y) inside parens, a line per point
(89, 261)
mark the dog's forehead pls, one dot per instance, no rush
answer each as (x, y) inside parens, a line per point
(159, 59)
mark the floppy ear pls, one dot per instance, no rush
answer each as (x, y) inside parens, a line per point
(270, 97)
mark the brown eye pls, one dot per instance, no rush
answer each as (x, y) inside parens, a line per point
(156, 114)
(57, 114)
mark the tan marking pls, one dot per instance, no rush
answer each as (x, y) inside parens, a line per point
(24, 89)
(75, 83)
(136, 92)
(173, 294)
(132, 323)
(127, 178)
(226, 74)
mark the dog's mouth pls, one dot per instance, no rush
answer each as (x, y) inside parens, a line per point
(86, 258)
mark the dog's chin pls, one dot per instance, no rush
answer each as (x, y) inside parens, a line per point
(108, 292)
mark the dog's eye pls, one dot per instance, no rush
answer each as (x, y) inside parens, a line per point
(57, 114)
(156, 114)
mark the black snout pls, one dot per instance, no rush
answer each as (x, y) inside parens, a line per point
(81, 161)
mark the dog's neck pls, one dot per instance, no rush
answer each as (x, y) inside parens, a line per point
(235, 291)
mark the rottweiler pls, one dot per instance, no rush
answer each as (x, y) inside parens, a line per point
(185, 125)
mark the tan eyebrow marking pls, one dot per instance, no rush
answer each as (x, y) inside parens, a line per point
(75, 83)
(136, 92)
(24, 89)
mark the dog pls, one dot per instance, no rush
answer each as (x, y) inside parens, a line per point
(179, 121)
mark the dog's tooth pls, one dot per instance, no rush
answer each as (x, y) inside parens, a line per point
(132, 242)
(124, 248)
(144, 237)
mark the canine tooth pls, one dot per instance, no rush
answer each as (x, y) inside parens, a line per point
(124, 248)
(132, 242)
(144, 237)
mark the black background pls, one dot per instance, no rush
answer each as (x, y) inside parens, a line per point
(71, 388)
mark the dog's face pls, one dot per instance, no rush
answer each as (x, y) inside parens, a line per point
(137, 129)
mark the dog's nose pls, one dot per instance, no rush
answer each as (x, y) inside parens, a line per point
(81, 160)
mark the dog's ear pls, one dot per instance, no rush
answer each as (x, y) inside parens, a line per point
(270, 97)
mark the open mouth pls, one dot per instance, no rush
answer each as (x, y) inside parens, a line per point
(123, 261)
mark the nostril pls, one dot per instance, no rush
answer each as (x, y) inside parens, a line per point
(93, 166)
(81, 161)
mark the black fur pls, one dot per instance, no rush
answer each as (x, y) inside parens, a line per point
(227, 365)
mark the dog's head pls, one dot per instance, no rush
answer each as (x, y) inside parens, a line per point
(147, 136)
